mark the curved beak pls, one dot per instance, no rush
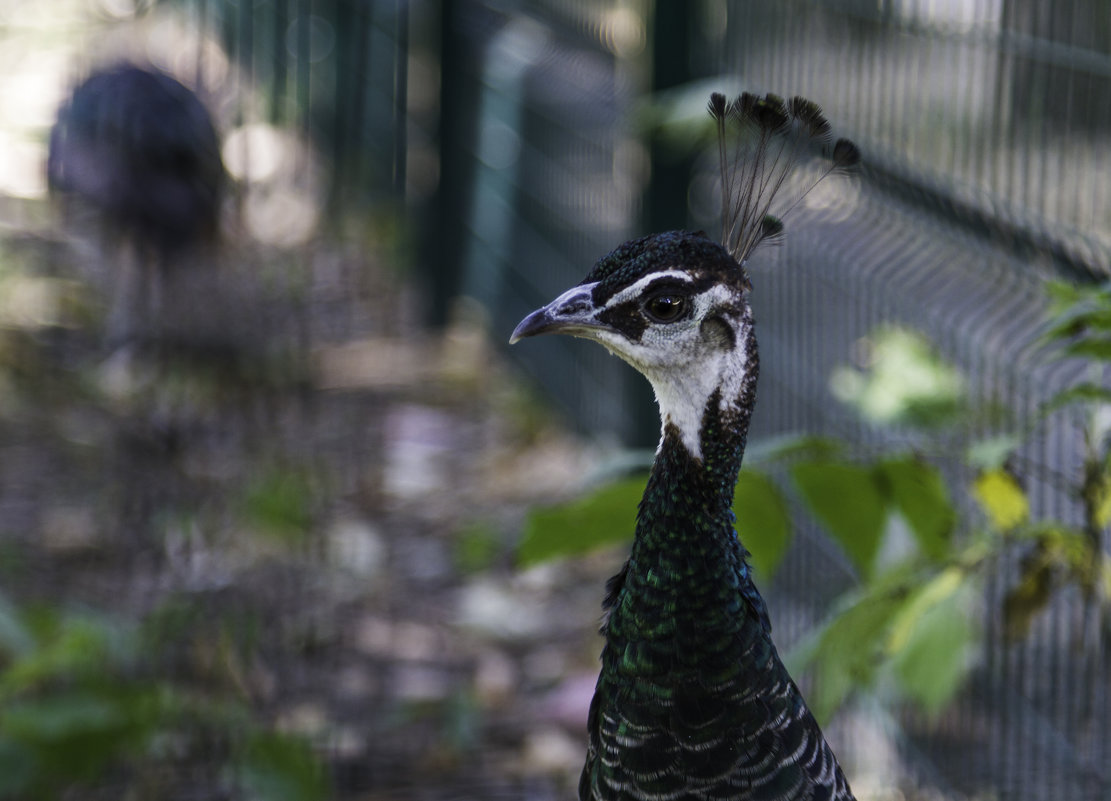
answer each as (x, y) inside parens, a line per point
(572, 313)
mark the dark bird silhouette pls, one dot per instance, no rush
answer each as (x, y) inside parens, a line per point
(693, 701)
(141, 148)
(136, 153)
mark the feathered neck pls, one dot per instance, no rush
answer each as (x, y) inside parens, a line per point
(687, 571)
(688, 491)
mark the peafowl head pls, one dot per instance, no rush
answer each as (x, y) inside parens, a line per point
(676, 305)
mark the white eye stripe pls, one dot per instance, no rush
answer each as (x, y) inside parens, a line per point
(635, 289)
(721, 296)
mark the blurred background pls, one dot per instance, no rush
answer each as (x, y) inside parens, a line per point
(282, 517)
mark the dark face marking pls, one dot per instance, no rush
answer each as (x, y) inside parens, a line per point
(668, 295)
(718, 333)
(627, 318)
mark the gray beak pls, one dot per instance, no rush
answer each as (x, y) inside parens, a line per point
(573, 313)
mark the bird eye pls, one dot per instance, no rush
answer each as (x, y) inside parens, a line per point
(665, 308)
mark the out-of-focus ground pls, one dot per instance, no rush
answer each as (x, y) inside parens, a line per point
(354, 507)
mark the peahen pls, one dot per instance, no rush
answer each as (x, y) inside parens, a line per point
(135, 153)
(693, 701)
(141, 149)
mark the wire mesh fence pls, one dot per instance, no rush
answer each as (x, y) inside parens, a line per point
(985, 128)
(338, 71)
(999, 106)
(555, 186)
(983, 125)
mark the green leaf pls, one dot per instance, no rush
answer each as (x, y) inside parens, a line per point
(62, 716)
(847, 502)
(1059, 555)
(280, 505)
(75, 734)
(77, 646)
(1079, 320)
(1029, 595)
(772, 450)
(990, 453)
(1063, 294)
(938, 589)
(1067, 327)
(606, 516)
(930, 640)
(1102, 511)
(850, 649)
(277, 767)
(1002, 499)
(919, 493)
(1092, 348)
(1068, 297)
(1080, 393)
(1076, 554)
(763, 520)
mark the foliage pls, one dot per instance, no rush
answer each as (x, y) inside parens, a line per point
(909, 619)
(78, 702)
(763, 520)
(279, 506)
(857, 524)
(602, 517)
(277, 767)
(903, 380)
(1002, 499)
(912, 618)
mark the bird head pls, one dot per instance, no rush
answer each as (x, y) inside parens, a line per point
(675, 307)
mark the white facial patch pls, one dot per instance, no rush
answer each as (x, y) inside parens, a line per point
(684, 366)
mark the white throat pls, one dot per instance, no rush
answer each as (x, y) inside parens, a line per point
(683, 395)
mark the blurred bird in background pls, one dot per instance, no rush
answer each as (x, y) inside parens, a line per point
(693, 701)
(135, 153)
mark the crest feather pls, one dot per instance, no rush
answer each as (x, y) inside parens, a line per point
(761, 140)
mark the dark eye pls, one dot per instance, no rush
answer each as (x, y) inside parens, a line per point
(666, 308)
